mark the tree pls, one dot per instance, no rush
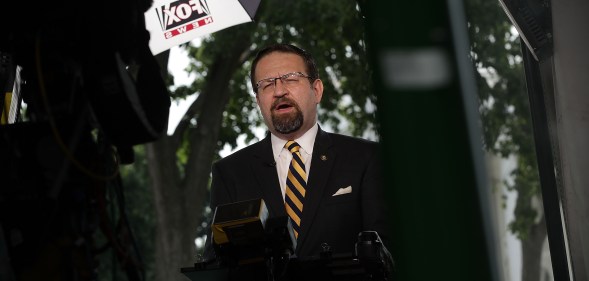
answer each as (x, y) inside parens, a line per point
(179, 164)
(507, 128)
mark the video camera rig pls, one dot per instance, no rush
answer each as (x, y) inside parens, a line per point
(85, 89)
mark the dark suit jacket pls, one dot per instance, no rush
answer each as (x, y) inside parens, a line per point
(338, 162)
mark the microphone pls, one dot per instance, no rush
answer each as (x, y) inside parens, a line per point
(372, 253)
(272, 164)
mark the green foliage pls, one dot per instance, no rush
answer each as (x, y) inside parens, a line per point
(331, 30)
(528, 187)
(503, 103)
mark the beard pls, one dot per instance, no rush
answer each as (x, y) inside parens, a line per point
(288, 123)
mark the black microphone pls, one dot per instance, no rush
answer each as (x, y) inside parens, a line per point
(372, 253)
(272, 164)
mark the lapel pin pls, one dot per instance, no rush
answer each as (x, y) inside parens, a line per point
(323, 157)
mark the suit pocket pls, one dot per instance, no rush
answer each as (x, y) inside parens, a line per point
(339, 199)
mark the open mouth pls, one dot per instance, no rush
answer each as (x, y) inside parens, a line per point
(283, 105)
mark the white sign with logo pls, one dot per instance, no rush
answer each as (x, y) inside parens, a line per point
(171, 23)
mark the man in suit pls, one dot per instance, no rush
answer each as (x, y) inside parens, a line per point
(342, 193)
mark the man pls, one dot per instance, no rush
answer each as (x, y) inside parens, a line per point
(333, 189)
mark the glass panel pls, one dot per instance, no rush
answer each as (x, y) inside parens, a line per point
(508, 142)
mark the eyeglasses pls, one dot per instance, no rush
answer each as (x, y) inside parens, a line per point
(290, 79)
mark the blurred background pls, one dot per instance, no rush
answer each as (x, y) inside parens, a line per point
(441, 84)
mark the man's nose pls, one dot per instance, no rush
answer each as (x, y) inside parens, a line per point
(279, 88)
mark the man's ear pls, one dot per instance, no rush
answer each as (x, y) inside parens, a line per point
(318, 88)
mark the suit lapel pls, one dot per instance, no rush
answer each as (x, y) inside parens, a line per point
(321, 166)
(264, 168)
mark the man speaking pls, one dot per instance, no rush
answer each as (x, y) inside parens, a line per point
(328, 184)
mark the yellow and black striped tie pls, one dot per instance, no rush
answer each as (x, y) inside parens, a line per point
(296, 183)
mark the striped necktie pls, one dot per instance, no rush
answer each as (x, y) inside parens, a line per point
(296, 183)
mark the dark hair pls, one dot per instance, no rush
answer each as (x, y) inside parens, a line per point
(285, 48)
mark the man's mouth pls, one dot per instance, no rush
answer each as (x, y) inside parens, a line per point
(283, 105)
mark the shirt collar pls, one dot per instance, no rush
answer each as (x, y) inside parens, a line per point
(306, 141)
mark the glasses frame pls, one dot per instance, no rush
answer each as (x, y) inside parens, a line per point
(282, 78)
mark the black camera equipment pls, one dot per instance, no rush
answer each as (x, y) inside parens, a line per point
(250, 245)
(83, 88)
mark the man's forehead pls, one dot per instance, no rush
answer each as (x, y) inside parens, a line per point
(278, 63)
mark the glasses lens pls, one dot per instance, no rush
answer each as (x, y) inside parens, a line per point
(289, 79)
(265, 84)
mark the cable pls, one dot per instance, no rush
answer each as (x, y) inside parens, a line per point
(125, 219)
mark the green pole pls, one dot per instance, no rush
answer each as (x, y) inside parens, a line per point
(433, 160)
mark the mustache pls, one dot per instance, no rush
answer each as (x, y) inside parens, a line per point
(284, 100)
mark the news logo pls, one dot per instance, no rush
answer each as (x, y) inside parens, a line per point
(182, 16)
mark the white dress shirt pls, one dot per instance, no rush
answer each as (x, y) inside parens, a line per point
(283, 157)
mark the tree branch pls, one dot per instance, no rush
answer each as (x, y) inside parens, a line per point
(192, 111)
